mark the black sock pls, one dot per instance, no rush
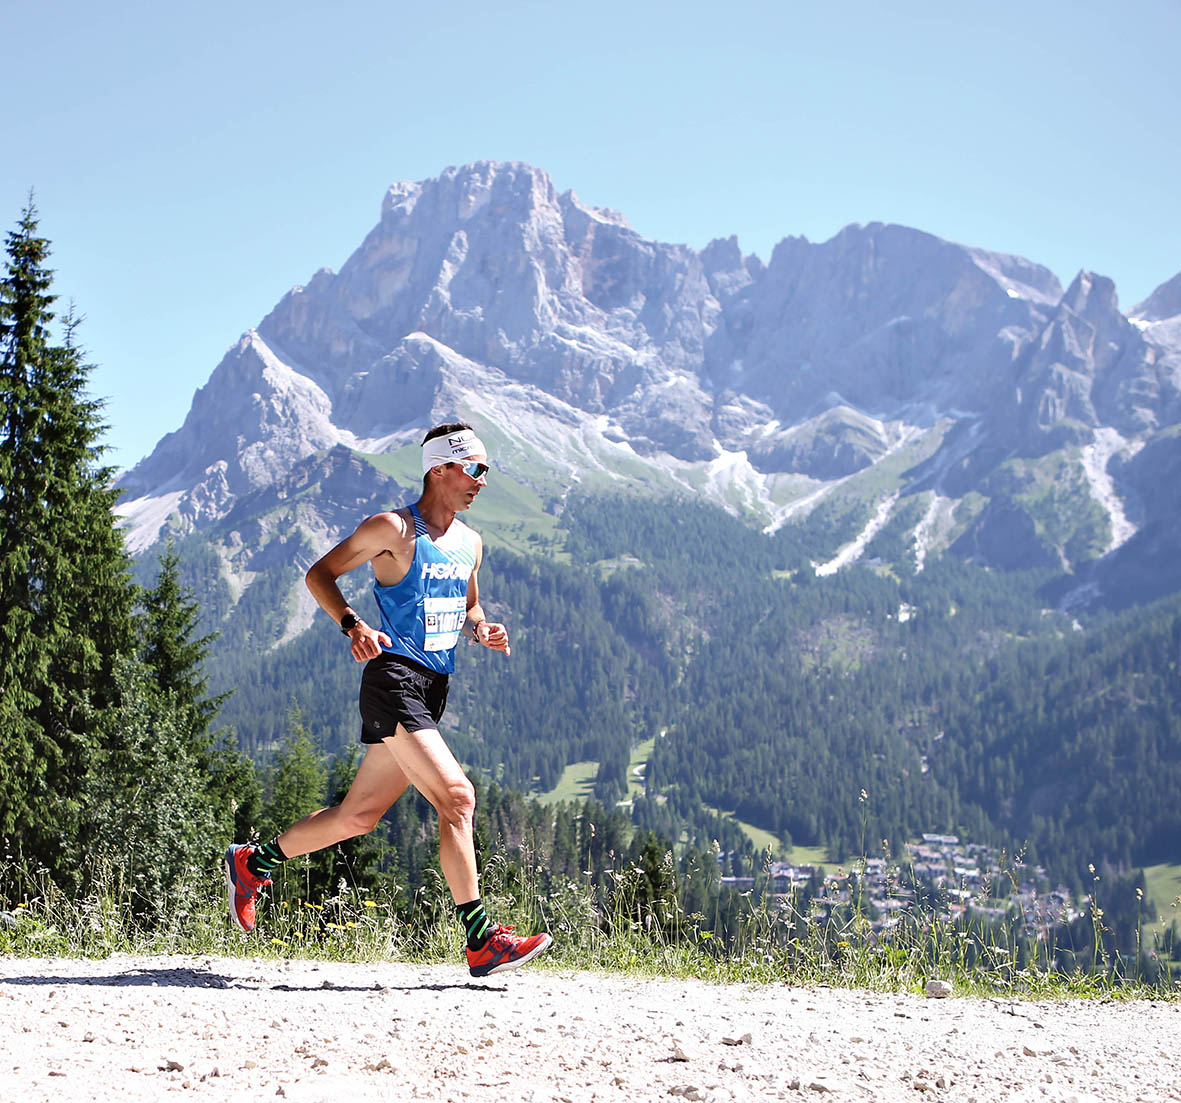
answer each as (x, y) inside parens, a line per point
(264, 858)
(476, 923)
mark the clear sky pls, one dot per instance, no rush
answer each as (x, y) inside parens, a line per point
(192, 162)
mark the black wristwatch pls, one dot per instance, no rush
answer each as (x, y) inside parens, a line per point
(348, 622)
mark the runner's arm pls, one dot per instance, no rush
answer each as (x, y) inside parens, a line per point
(490, 633)
(373, 536)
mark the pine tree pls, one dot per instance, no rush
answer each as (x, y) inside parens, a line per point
(297, 779)
(175, 661)
(170, 616)
(66, 594)
(150, 820)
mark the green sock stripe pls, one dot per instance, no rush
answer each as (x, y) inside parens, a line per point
(267, 856)
(475, 921)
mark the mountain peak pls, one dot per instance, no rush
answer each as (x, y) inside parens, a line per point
(1089, 292)
(466, 190)
(1163, 303)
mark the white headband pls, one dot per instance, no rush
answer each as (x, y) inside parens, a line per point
(452, 448)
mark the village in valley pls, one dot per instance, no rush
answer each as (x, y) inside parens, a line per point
(939, 875)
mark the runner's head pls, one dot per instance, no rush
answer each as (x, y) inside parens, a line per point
(454, 442)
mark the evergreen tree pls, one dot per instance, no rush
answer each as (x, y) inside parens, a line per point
(297, 783)
(176, 660)
(297, 779)
(170, 617)
(66, 594)
(150, 820)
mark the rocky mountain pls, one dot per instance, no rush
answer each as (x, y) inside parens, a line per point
(955, 397)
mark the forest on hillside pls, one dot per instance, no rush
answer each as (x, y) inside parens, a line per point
(953, 697)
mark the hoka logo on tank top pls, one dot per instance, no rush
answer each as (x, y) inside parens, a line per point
(446, 570)
(423, 614)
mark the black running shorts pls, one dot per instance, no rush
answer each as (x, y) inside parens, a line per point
(396, 690)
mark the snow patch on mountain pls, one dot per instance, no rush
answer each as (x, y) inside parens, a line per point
(1095, 458)
(143, 518)
(851, 552)
(938, 508)
(730, 474)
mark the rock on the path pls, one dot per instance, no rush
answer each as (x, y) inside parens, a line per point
(939, 989)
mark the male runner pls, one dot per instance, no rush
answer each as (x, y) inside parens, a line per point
(425, 565)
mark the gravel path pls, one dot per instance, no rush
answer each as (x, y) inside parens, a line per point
(134, 1028)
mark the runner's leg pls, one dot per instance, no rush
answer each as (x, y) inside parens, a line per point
(379, 782)
(426, 760)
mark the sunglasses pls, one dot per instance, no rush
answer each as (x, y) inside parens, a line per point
(475, 471)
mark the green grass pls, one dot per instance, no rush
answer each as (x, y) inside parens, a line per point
(883, 478)
(635, 767)
(614, 932)
(576, 783)
(506, 513)
(1163, 889)
(405, 464)
(809, 856)
(578, 779)
(761, 839)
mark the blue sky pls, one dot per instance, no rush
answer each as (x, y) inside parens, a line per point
(191, 163)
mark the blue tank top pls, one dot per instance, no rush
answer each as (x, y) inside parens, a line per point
(424, 612)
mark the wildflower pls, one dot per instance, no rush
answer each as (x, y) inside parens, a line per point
(279, 942)
(370, 904)
(864, 797)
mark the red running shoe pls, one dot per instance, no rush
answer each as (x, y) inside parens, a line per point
(242, 887)
(504, 950)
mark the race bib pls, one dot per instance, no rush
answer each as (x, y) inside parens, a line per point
(444, 619)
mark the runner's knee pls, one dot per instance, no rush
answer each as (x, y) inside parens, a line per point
(458, 801)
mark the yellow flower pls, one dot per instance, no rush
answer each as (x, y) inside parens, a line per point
(370, 904)
(278, 942)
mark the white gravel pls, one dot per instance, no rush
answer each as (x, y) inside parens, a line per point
(131, 1028)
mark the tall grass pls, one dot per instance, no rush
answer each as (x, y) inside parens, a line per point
(620, 930)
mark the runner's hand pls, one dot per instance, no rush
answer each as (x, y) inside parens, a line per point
(365, 642)
(493, 635)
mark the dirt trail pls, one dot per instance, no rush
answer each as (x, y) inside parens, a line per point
(138, 1028)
